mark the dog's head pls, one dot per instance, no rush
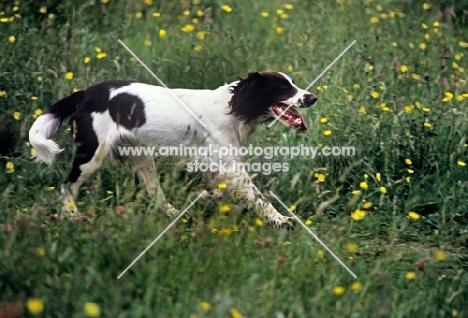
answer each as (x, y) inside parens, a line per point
(263, 96)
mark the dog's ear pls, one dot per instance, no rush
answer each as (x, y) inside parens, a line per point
(248, 101)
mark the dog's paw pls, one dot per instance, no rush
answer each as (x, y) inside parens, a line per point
(284, 222)
(70, 209)
(170, 210)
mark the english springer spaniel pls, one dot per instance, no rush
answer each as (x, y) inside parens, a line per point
(124, 113)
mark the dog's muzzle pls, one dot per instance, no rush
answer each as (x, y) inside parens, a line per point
(307, 101)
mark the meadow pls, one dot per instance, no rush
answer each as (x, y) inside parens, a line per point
(396, 213)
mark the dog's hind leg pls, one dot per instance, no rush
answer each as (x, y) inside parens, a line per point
(88, 159)
(145, 167)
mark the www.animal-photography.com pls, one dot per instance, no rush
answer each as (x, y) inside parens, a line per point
(197, 158)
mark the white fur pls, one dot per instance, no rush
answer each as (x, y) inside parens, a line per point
(40, 133)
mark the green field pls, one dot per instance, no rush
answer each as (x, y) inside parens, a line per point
(396, 213)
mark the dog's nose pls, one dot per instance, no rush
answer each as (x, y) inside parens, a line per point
(309, 100)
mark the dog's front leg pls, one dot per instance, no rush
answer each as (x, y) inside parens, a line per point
(241, 187)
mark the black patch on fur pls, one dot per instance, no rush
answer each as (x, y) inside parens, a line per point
(254, 95)
(67, 106)
(97, 96)
(127, 110)
(86, 140)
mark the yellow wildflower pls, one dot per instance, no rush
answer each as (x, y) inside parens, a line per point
(92, 310)
(10, 167)
(327, 132)
(338, 290)
(367, 205)
(225, 231)
(162, 33)
(383, 190)
(413, 215)
(448, 96)
(351, 247)
(188, 28)
(362, 110)
(461, 163)
(258, 222)
(226, 8)
(410, 275)
(35, 306)
(358, 215)
(235, 313)
(205, 305)
(320, 177)
(69, 76)
(439, 255)
(17, 115)
(224, 208)
(40, 251)
(264, 14)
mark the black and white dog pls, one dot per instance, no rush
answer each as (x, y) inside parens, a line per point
(124, 113)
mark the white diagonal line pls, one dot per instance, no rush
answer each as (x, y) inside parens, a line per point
(162, 233)
(315, 236)
(311, 84)
(162, 83)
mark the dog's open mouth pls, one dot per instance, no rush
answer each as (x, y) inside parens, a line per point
(291, 117)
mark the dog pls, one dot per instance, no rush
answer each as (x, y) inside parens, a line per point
(120, 113)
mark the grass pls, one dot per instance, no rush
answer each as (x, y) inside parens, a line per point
(399, 96)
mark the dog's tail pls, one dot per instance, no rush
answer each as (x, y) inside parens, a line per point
(47, 125)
